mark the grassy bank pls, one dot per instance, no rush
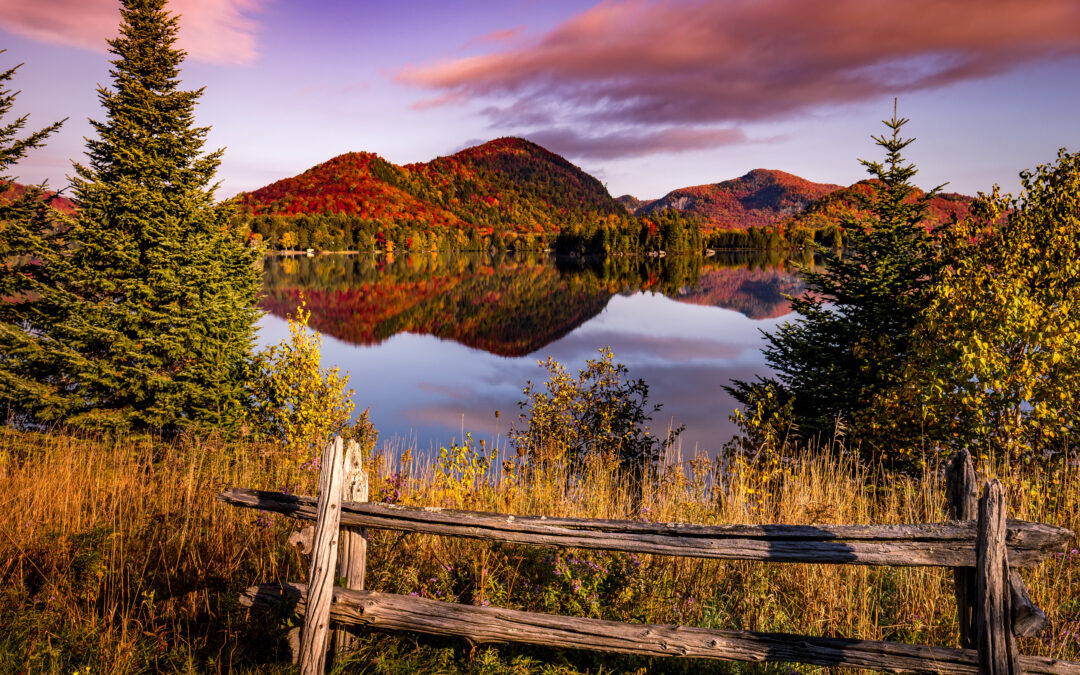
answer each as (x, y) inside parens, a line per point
(115, 556)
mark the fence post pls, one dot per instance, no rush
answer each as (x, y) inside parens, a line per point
(320, 587)
(352, 555)
(963, 495)
(996, 645)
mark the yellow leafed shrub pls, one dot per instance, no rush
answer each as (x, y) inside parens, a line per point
(299, 403)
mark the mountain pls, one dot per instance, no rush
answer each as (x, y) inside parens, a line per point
(13, 191)
(760, 198)
(631, 203)
(850, 202)
(356, 183)
(507, 184)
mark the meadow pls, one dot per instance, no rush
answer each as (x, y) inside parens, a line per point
(115, 555)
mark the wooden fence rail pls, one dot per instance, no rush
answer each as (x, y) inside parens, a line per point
(387, 611)
(933, 544)
(982, 546)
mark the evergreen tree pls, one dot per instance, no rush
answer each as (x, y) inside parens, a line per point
(148, 316)
(26, 224)
(855, 324)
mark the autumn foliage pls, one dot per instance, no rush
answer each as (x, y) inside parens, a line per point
(505, 193)
(761, 198)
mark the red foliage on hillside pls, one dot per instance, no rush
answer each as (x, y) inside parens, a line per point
(760, 198)
(850, 203)
(13, 191)
(356, 183)
(508, 184)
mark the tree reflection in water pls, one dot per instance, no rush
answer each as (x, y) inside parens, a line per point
(435, 343)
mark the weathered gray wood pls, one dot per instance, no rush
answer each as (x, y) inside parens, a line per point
(396, 513)
(935, 544)
(490, 624)
(324, 556)
(302, 540)
(293, 638)
(352, 554)
(1027, 619)
(995, 643)
(963, 494)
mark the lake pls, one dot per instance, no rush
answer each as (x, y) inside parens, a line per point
(435, 344)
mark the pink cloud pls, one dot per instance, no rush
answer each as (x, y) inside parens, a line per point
(635, 142)
(663, 63)
(214, 31)
(495, 37)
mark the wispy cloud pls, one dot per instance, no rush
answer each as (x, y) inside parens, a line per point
(495, 37)
(635, 142)
(214, 31)
(646, 66)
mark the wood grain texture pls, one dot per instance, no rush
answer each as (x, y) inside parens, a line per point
(1027, 619)
(324, 558)
(962, 491)
(994, 642)
(490, 624)
(933, 544)
(352, 554)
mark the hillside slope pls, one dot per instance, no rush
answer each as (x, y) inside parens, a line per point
(507, 184)
(760, 198)
(851, 203)
(12, 191)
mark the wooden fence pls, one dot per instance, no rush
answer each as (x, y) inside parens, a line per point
(982, 546)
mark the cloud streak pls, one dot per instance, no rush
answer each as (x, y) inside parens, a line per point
(213, 31)
(633, 68)
(635, 142)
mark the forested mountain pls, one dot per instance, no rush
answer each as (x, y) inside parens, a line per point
(851, 202)
(512, 182)
(357, 183)
(758, 199)
(513, 194)
(508, 186)
(13, 191)
(631, 203)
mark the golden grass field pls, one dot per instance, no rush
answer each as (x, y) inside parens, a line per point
(116, 557)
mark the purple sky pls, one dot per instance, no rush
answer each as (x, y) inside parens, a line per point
(647, 96)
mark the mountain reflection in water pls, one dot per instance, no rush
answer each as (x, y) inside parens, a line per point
(435, 343)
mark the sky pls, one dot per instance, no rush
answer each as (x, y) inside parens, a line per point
(646, 95)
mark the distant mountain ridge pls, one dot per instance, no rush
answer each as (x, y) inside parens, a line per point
(511, 185)
(760, 198)
(850, 203)
(12, 191)
(507, 183)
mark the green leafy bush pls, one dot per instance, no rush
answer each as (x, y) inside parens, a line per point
(600, 412)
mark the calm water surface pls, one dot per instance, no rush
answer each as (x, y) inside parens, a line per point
(435, 344)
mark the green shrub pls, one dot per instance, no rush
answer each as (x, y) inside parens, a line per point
(600, 412)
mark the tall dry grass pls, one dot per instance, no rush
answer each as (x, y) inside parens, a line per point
(115, 556)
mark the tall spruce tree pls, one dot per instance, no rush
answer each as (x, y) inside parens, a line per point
(854, 326)
(147, 314)
(26, 225)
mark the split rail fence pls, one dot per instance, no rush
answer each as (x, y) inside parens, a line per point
(982, 546)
